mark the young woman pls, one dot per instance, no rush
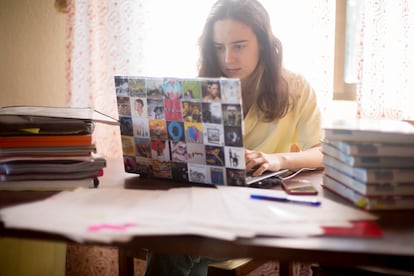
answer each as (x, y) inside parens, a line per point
(282, 119)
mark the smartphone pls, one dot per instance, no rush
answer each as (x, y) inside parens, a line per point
(299, 187)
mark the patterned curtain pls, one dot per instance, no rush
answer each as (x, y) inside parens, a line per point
(385, 59)
(104, 38)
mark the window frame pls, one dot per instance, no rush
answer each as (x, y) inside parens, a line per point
(341, 89)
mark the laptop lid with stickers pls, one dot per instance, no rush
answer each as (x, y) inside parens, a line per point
(185, 129)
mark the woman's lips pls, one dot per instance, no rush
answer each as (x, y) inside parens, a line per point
(233, 72)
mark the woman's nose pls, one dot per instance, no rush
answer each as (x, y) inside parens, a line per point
(229, 56)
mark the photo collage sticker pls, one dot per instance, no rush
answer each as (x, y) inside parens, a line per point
(190, 130)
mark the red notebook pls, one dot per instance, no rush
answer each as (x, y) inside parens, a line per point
(363, 229)
(45, 141)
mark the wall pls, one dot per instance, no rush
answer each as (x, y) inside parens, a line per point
(32, 72)
(32, 53)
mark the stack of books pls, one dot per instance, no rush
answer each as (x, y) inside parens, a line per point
(49, 148)
(370, 162)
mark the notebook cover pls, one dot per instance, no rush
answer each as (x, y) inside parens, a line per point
(363, 229)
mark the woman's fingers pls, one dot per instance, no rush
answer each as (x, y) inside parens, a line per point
(257, 163)
(260, 162)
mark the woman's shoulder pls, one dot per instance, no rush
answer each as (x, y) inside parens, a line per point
(295, 80)
(300, 89)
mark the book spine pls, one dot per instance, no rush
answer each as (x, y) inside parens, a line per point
(344, 192)
(368, 203)
(371, 174)
(48, 185)
(371, 189)
(376, 149)
(381, 162)
(368, 136)
(368, 161)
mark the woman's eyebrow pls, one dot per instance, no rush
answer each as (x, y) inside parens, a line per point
(233, 42)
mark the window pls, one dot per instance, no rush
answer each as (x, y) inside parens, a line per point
(344, 84)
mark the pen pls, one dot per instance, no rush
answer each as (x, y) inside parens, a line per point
(311, 202)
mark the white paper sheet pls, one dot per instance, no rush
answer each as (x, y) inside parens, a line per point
(108, 215)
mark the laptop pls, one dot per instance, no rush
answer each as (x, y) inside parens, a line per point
(185, 129)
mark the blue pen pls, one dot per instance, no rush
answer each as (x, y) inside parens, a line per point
(311, 202)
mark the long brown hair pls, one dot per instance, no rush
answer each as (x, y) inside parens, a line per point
(269, 84)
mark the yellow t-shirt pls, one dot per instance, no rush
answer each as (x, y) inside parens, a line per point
(301, 126)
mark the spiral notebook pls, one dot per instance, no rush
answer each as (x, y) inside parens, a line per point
(186, 129)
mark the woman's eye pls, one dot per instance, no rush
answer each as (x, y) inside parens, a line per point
(239, 46)
(219, 48)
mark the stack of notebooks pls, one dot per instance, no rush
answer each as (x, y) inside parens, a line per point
(370, 163)
(49, 148)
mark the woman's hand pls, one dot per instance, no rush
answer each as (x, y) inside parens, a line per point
(261, 162)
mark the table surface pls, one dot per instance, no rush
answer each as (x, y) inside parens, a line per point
(395, 249)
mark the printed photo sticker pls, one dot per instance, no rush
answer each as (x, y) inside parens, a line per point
(124, 106)
(143, 147)
(179, 171)
(232, 114)
(233, 136)
(218, 175)
(179, 151)
(211, 113)
(211, 91)
(235, 177)
(191, 111)
(191, 90)
(160, 150)
(121, 86)
(144, 166)
(193, 132)
(125, 124)
(172, 110)
(234, 157)
(140, 127)
(156, 109)
(198, 173)
(139, 107)
(158, 129)
(130, 164)
(173, 89)
(155, 88)
(128, 145)
(175, 131)
(213, 134)
(162, 169)
(231, 91)
(137, 87)
(215, 156)
(196, 153)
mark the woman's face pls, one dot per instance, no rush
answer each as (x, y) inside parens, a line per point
(237, 48)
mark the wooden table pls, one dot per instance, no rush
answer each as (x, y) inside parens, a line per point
(394, 250)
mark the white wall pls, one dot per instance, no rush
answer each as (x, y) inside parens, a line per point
(32, 53)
